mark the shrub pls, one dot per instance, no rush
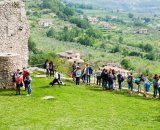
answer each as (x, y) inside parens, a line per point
(51, 33)
(126, 64)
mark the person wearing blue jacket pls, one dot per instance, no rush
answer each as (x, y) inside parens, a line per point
(89, 72)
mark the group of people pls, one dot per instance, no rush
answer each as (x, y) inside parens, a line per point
(21, 78)
(108, 78)
(77, 73)
(49, 68)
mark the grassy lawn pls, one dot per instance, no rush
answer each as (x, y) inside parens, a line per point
(83, 107)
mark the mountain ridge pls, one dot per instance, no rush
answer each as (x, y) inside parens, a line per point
(132, 5)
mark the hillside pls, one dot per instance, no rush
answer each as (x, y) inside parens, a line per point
(96, 44)
(149, 6)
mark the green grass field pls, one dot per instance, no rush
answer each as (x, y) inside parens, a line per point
(76, 108)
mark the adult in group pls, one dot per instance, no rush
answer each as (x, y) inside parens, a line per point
(98, 76)
(146, 86)
(120, 80)
(103, 79)
(138, 82)
(19, 84)
(83, 76)
(114, 79)
(130, 83)
(24, 73)
(155, 85)
(78, 75)
(73, 70)
(89, 72)
(28, 83)
(159, 87)
(110, 80)
(50, 68)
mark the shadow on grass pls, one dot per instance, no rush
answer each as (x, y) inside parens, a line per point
(123, 92)
(9, 93)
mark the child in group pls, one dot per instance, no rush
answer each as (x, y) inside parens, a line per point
(78, 75)
(19, 84)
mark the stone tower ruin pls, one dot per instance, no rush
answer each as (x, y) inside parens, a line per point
(14, 32)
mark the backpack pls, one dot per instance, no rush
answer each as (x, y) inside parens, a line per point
(137, 81)
(147, 86)
(122, 78)
(90, 70)
(18, 80)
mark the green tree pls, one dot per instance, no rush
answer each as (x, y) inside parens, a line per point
(94, 33)
(32, 45)
(116, 49)
(51, 33)
(130, 15)
(86, 40)
(126, 64)
(147, 20)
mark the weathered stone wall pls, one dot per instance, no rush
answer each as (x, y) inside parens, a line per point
(9, 62)
(14, 32)
(14, 29)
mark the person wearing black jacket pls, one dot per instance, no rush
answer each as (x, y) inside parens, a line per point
(104, 76)
(130, 83)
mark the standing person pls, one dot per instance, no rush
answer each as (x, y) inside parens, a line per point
(114, 79)
(47, 68)
(78, 75)
(28, 83)
(130, 83)
(73, 70)
(146, 86)
(138, 82)
(15, 74)
(159, 87)
(104, 77)
(98, 76)
(19, 84)
(84, 74)
(155, 85)
(119, 77)
(110, 79)
(50, 68)
(89, 72)
(25, 77)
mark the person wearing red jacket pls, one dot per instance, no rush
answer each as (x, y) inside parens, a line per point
(19, 83)
(25, 78)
